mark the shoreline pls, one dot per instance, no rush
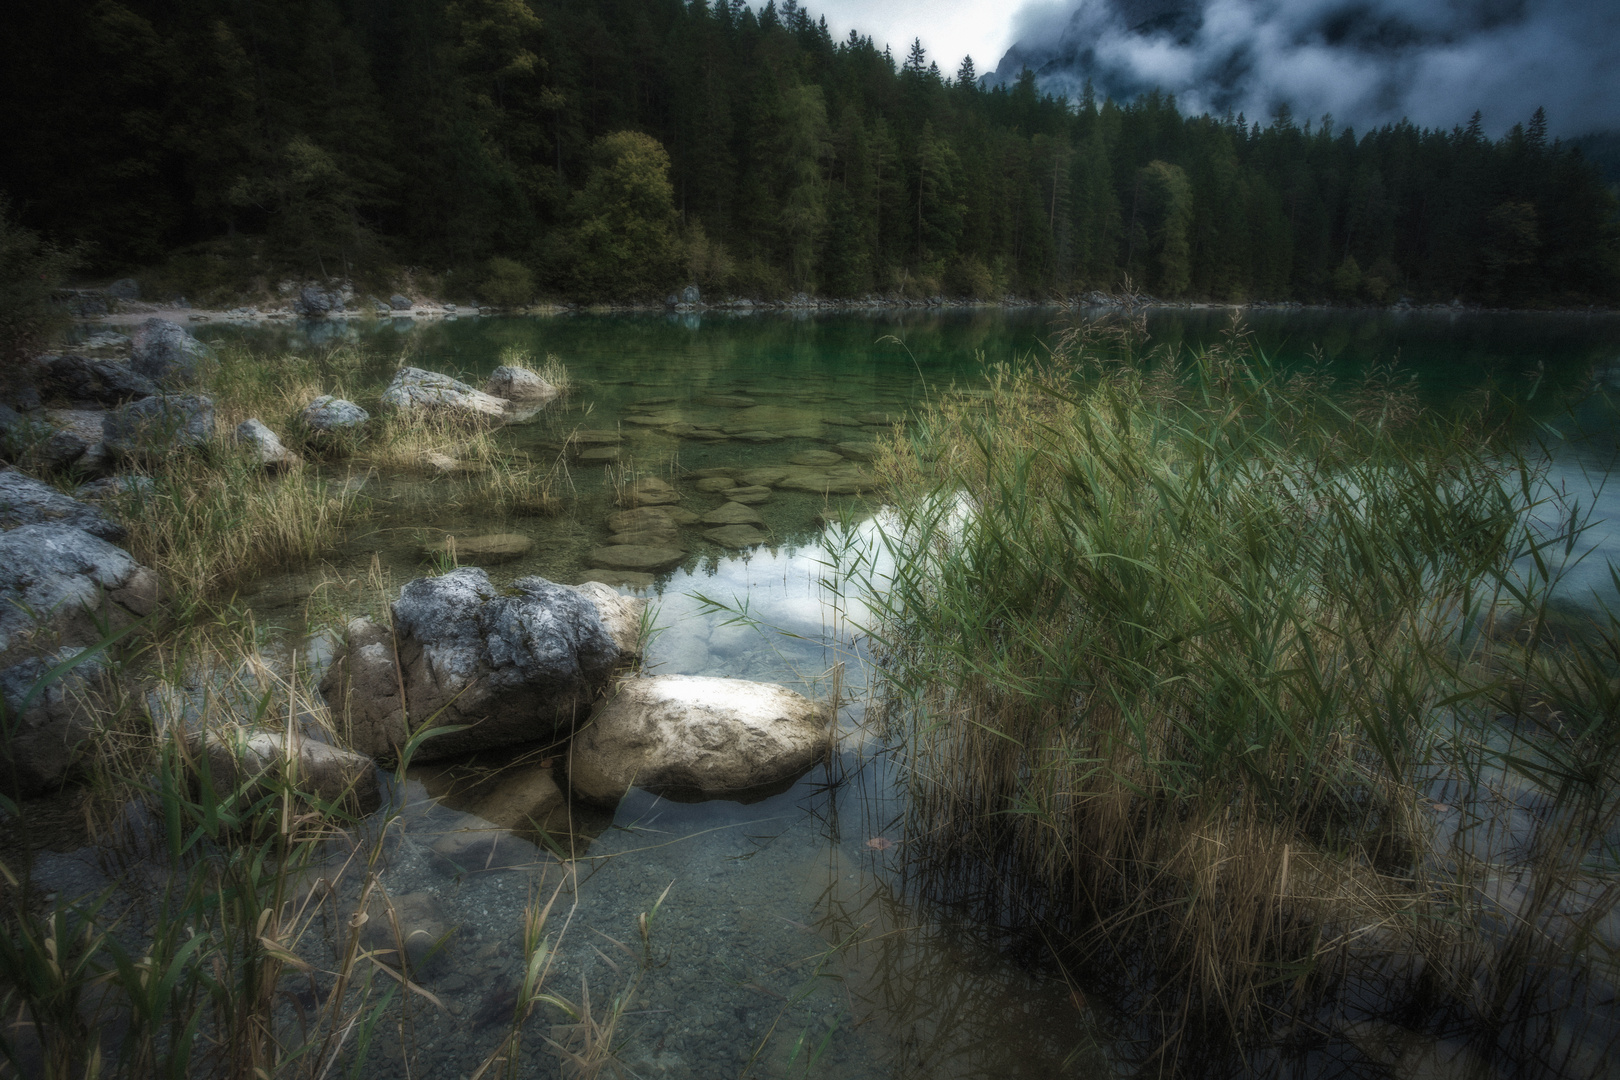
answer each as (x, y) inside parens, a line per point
(133, 313)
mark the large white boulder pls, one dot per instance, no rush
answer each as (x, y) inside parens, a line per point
(414, 388)
(696, 735)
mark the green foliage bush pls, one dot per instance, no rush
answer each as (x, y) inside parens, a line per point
(624, 242)
(507, 283)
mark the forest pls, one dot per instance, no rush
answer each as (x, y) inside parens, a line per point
(620, 149)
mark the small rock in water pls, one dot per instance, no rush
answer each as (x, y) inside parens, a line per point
(644, 517)
(749, 496)
(637, 557)
(825, 483)
(664, 537)
(816, 457)
(495, 547)
(654, 419)
(733, 513)
(651, 491)
(599, 454)
(444, 463)
(715, 483)
(768, 477)
(518, 384)
(591, 438)
(414, 924)
(736, 536)
(706, 474)
(728, 401)
(521, 798)
(859, 451)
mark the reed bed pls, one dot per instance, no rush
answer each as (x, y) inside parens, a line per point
(1186, 657)
(212, 521)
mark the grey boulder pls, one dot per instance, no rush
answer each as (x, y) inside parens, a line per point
(156, 426)
(518, 384)
(77, 437)
(399, 303)
(26, 501)
(53, 438)
(51, 721)
(328, 413)
(314, 302)
(96, 379)
(165, 353)
(414, 388)
(264, 759)
(58, 584)
(265, 445)
(696, 736)
(515, 665)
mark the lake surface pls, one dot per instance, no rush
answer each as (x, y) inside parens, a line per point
(789, 943)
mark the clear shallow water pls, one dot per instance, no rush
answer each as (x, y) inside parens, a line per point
(788, 926)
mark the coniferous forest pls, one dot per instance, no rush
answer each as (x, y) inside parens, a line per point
(618, 149)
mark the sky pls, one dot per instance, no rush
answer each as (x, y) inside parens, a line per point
(949, 29)
(1367, 62)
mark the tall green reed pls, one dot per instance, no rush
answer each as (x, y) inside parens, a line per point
(1170, 644)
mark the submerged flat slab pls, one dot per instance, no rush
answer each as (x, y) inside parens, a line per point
(637, 557)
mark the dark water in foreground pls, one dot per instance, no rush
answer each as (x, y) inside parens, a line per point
(789, 944)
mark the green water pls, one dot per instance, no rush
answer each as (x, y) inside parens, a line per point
(789, 944)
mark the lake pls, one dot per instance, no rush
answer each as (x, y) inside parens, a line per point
(791, 941)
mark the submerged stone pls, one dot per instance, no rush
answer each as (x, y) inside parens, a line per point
(733, 513)
(749, 496)
(817, 458)
(494, 547)
(736, 536)
(859, 451)
(637, 557)
(629, 579)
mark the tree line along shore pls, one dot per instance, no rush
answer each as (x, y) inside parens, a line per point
(511, 150)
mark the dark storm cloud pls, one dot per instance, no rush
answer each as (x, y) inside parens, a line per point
(1367, 62)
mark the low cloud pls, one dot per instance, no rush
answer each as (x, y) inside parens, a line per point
(1368, 62)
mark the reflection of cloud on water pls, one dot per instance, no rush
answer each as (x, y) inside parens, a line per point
(784, 614)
